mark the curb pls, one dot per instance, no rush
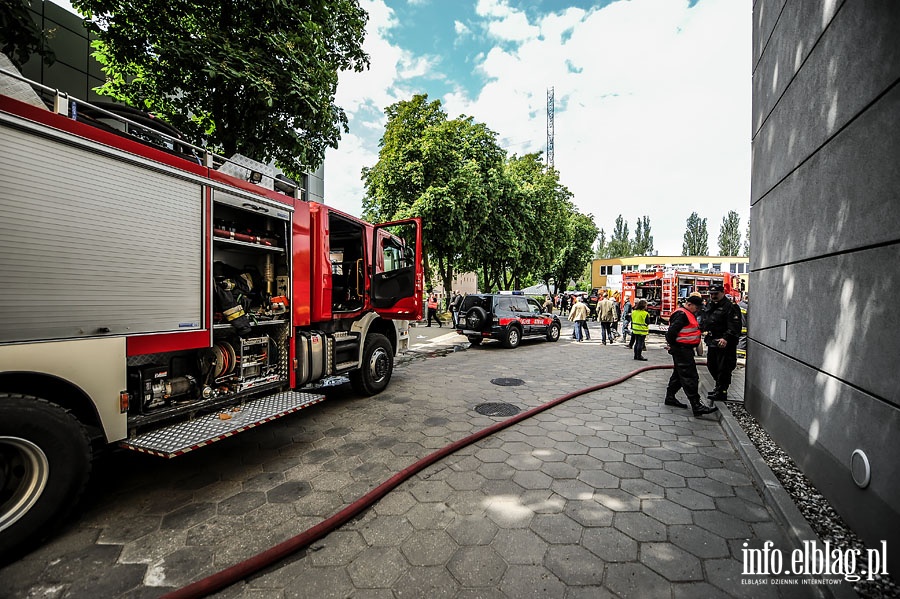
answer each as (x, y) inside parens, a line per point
(778, 500)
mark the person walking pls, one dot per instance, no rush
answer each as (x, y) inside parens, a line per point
(606, 312)
(722, 323)
(639, 329)
(432, 306)
(626, 323)
(682, 337)
(617, 306)
(578, 315)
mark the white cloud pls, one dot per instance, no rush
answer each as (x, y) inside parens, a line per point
(652, 108)
(652, 105)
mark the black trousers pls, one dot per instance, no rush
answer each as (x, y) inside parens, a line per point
(721, 362)
(684, 376)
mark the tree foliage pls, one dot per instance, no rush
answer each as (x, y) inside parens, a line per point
(643, 240)
(581, 232)
(730, 234)
(696, 237)
(20, 37)
(747, 240)
(507, 217)
(619, 243)
(448, 172)
(601, 250)
(257, 78)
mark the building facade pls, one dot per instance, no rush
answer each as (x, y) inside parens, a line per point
(824, 343)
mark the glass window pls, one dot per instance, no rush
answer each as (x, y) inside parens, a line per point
(717, 267)
(732, 267)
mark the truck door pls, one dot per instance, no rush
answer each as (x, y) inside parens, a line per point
(397, 280)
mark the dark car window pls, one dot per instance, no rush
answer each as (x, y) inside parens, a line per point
(470, 301)
(534, 307)
(506, 304)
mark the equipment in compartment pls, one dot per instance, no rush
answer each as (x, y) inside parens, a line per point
(229, 367)
(155, 388)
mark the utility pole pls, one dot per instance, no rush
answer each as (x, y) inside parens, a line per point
(550, 128)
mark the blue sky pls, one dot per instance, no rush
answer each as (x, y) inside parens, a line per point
(652, 97)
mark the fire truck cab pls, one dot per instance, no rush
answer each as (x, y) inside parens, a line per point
(160, 298)
(665, 290)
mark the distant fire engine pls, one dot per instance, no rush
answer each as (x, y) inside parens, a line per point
(162, 298)
(664, 290)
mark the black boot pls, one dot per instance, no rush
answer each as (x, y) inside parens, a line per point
(714, 392)
(720, 395)
(671, 401)
(700, 409)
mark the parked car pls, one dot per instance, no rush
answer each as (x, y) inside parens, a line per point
(506, 316)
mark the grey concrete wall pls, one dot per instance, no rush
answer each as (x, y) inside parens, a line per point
(824, 364)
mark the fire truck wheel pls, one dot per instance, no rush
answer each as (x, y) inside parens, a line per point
(45, 460)
(377, 366)
(513, 337)
(553, 332)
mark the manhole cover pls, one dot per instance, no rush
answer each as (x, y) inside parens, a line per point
(508, 382)
(497, 409)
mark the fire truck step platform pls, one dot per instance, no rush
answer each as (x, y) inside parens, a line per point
(183, 437)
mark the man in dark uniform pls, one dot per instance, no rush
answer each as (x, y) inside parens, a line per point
(722, 323)
(682, 337)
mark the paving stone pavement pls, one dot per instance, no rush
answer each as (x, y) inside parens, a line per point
(611, 494)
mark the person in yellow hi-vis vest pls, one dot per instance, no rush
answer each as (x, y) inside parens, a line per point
(639, 329)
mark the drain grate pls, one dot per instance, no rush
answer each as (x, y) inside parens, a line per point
(497, 409)
(508, 382)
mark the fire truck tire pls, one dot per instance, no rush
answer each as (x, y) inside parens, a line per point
(513, 337)
(553, 332)
(377, 366)
(45, 460)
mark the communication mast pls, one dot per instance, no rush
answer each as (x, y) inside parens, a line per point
(550, 127)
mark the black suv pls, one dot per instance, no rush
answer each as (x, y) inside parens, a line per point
(507, 317)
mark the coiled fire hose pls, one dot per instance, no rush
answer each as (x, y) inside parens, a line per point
(248, 567)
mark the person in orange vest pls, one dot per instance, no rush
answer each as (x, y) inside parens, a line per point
(682, 339)
(432, 309)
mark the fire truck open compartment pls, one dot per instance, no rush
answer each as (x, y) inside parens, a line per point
(347, 264)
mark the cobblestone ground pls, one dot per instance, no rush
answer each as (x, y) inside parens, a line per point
(611, 494)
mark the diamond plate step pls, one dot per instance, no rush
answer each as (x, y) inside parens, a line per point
(183, 437)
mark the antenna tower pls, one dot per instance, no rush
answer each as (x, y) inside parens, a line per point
(550, 127)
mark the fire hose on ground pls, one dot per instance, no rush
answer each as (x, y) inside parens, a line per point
(248, 567)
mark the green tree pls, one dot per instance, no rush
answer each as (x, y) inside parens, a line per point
(696, 237)
(602, 248)
(20, 37)
(747, 240)
(730, 234)
(576, 255)
(619, 244)
(257, 78)
(448, 172)
(643, 240)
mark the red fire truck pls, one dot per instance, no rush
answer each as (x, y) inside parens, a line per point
(161, 298)
(664, 290)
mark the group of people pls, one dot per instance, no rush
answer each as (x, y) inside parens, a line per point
(432, 304)
(721, 321)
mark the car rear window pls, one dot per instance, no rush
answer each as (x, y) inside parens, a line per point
(470, 301)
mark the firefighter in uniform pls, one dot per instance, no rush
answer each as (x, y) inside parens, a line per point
(722, 323)
(682, 338)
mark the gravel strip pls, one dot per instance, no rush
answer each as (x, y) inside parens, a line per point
(826, 522)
